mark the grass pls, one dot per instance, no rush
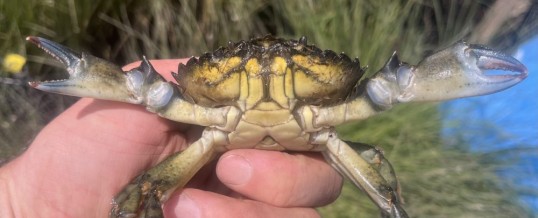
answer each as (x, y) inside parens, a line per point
(437, 181)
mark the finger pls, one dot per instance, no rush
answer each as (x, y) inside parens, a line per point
(194, 203)
(278, 178)
(110, 127)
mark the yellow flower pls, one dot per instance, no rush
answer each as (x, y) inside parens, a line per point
(13, 63)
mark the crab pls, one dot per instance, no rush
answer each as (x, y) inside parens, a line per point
(276, 94)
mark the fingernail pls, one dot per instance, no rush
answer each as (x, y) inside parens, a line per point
(186, 207)
(234, 170)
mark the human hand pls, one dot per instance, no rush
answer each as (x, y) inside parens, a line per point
(86, 155)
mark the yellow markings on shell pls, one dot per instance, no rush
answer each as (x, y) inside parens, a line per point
(207, 74)
(243, 94)
(227, 64)
(288, 84)
(229, 88)
(313, 79)
(215, 72)
(278, 66)
(215, 82)
(305, 85)
(325, 73)
(255, 83)
(253, 68)
(277, 88)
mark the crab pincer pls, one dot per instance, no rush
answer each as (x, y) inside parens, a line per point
(94, 77)
(455, 72)
(89, 76)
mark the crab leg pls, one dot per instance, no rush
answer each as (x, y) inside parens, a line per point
(455, 72)
(375, 157)
(93, 77)
(89, 76)
(145, 194)
(369, 171)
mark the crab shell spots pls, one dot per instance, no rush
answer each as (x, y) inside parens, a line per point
(315, 78)
(212, 83)
(269, 74)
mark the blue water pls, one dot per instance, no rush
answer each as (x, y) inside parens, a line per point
(505, 122)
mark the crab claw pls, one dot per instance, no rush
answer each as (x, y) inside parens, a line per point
(89, 76)
(458, 71)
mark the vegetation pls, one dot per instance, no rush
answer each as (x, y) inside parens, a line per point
(437, 181)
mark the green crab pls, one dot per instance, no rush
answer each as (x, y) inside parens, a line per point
(276, 94)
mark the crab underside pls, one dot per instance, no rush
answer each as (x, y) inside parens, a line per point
(276, 94)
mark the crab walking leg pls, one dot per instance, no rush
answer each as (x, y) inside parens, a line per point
(364, 175)
(145, 194)
(374, 156)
